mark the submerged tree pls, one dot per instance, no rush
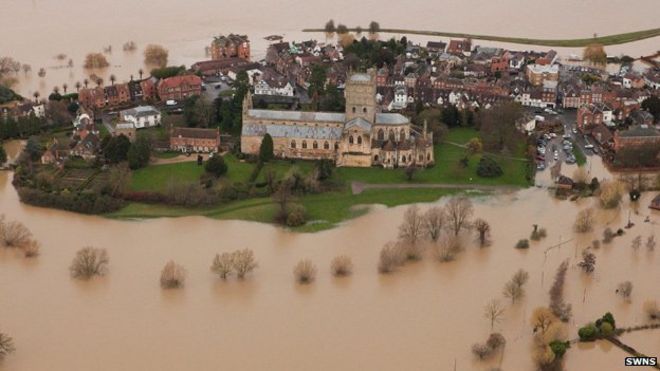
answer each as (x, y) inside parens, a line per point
(89, 262)
(588, 263)
(584, 221)
(304, 272)
(410, 229)
(156, 55)
(6, 345)
(172, 276)
(483, 231)
(560, 309)
(223, 264)
(14, 234)
(625, 289)
(514, 289)
(458, 211)
(493, 311)
(341, 266)
(433, 222)
(244, 262)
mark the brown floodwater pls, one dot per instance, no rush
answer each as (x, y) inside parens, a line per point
(426, 316)
(41, 29)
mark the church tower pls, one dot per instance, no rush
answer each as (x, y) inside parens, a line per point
(360, 93)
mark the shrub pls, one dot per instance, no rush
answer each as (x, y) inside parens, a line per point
(489, 168)
(6, 345)
(89, 262)
(155, 55)
(223, 264)
(522, 244)
(625, 289)
(243, 262)
(95, 60)
(304, 272)
(611, 194)
(609, 318)
(391, 256)
(595, 244)
(606, 329)
(608, 235)
(216, 166)
(559, 347)
(543, 356)
(13, 234)
(447, 250)
(31, 249)
(172, 276)
(341, 266)
(412, 252)
(588, 263)
(482, 351)
(266, 148)
(538, 233)
(588, 333)
(296, 216)
(495, 341)
(584, 221)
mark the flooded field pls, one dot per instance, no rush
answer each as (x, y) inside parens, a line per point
(76, 27)
(425, 316)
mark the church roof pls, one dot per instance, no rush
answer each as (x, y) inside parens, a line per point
(360, 123)
(292, 131)
(297, 115)
(391, 119)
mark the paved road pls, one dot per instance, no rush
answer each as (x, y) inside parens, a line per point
(359, 187)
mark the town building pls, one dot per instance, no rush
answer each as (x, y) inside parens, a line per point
(179, 87)
(232, 46)
(636, 136)
(190, 140)
(141, 116)
(126, 129)
(538, 73)
(362, 136)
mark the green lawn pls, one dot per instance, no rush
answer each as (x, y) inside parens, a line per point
(447, 168)
(324, 210)
(156, 178)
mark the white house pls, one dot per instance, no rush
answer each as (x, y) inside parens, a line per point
(273, 87)
(141, 116)
(400, 98)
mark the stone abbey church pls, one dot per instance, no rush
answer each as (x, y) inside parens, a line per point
(360, 137)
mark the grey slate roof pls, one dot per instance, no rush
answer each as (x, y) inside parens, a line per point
(141, 111)
(391, 119)
(360, 123)
(297, 115)
(292, 131)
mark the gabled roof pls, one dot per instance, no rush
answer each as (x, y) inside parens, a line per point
(391, 119)
(359, 123)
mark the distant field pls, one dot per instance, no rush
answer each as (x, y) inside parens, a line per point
(570, 43)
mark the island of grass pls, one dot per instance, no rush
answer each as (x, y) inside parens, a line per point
(325, 210)
(616, 39)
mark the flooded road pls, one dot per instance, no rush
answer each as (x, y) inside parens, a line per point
(77, 27)
(426, 316)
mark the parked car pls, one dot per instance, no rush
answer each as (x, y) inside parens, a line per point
(556, 155)
(170, 102)
(589, 146)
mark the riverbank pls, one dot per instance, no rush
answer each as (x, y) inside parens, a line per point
(615, 39)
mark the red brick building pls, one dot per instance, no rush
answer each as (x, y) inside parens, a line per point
(92, 97)
(117, 95)
(232, 46)
(179, 87)
(637, 136)
(195, 140)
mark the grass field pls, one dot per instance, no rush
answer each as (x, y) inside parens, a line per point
(447, 168)
(570, 43)
(324, 211)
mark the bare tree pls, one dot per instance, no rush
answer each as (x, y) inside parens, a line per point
(172, 276)
(483, 230)
(223, 264)
(448, 248)
(458, 210)
(243, 262)
(514, 289)
(341, 266)
(650, 243)
(89, 262)
(636, 243)
(13, 234)
(651, 309)
(410, 229)
(391, 257)
(588, 263)
(6, 345)
(31, 249)
(493, 311)
(557, 305)
(156, 55)
(584, 221)
(542, 319)
(433, 222)
(625, 289)
(304, 271)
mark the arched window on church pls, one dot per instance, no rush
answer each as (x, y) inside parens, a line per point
(403, 159)
(315, 145)
(376, 158)
(350, 140)
(391, 135)
(304, 144)
(359, 140)
(293, 144)
(353, 109)
(364, 109)
(381, 135)
(421, 158)
(336, 145)
(326, 145)
(428, 157)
